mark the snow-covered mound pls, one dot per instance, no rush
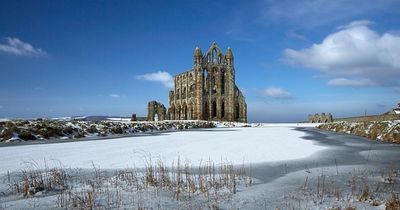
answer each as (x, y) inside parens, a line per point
(18, 130)
(65, 128)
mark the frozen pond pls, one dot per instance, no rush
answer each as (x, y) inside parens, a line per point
(236, 145)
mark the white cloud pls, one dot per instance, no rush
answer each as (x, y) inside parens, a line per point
(17, 47)
(277, 93)
(350, 82)
(356, 23)
(114, 96)
(161, 76)
(354, 56)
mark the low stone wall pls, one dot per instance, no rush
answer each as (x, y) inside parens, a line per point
(388, 131)
(370, 118)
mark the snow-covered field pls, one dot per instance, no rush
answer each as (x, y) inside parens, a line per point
(107, 174)
(236, 145)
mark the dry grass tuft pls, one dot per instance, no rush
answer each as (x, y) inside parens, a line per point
(393, 202)
(365, 194)
(35, 179)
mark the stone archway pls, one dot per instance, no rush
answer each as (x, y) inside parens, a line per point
(184, 111)
(206, 111)
(214, 110)
(155, 117)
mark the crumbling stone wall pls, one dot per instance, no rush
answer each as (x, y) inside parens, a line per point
(156, 111)
(320, 118)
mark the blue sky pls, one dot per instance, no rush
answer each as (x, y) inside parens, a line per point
(292, 58)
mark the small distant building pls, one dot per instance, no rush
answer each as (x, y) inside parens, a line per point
(133, 118)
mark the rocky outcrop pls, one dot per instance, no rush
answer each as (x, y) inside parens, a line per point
(388, 131)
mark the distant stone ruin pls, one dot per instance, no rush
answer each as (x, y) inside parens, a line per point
(133, 118)
(320, 118)
(156, 111)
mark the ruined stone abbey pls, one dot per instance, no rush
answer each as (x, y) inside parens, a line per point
(205, 92)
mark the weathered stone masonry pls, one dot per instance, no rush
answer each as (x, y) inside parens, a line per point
(156, 111)
(320, 118)
(208, 91)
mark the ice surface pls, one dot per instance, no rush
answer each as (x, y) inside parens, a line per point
(238, 145)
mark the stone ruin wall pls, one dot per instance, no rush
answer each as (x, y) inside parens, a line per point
(320, 118)
(156, 111)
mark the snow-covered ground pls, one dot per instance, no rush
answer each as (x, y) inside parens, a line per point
(339, 177)
(238, 145)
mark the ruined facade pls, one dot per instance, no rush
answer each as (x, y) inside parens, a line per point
(205, 92)
(156, 111)
(320, 118)
(208, 91)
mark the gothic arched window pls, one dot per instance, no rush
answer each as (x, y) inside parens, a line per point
(205, 79)
(214, 109)
(213, 85)
(206, 111)
(214, 56)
